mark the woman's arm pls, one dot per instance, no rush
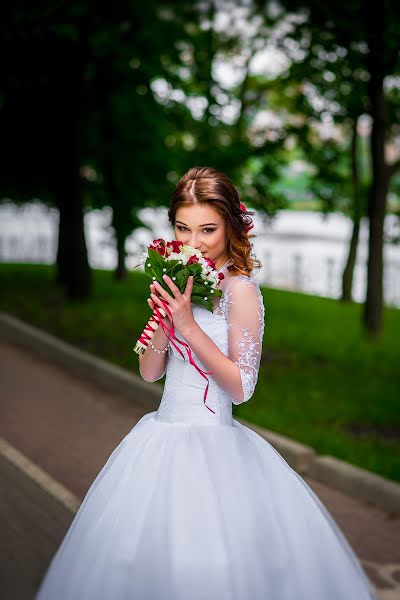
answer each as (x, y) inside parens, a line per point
(152, 364)
(238, 372)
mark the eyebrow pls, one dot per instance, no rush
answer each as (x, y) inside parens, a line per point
(204, 224)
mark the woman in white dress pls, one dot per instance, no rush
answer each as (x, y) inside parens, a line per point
(193, 505)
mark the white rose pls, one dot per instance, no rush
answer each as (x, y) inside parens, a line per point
(189, 251)
(178, 256)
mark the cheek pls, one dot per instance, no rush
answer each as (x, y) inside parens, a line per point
(218, 239)
(179, 235)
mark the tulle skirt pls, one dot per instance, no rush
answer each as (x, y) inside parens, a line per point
(189, 512)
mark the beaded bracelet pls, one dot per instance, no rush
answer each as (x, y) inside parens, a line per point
(156, 349)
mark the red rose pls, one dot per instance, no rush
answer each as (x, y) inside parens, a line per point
(210, 262)
(175, 246)
(159, 246)
(192, 259)
(221, 276)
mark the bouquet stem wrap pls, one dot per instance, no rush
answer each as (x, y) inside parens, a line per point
(152, 324)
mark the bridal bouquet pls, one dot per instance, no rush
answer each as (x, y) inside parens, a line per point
(179, 261)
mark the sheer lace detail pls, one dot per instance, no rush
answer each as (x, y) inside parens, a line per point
(221, 306)
(244, 310)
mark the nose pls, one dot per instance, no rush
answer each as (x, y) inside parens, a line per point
(195, 244)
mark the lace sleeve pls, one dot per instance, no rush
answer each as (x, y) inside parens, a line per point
(245, 316)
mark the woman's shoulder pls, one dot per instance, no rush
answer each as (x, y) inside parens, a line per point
(239, 280)
(245, 291)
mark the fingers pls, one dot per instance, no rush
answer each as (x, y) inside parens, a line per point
(153, 297)
(170, 283)
(156, 299)
(153, 291)
(156, 287)
(163, 293)
(189, 286)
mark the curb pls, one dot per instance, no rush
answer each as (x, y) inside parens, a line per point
(79, 361)
(299, 456)
(350, 479)
(357, 482)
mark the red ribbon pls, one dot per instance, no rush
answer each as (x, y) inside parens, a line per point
(144, 338)
(188, 350)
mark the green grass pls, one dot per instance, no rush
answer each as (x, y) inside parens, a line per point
(320, 375)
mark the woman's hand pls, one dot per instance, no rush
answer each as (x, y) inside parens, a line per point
(179, 304)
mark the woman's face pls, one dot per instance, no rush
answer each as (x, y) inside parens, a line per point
(203, 228)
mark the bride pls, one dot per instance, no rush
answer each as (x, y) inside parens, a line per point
(192, 504)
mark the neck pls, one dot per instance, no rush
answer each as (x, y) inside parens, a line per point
(221, 263)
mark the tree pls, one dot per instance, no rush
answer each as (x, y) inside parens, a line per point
(73, 99)
(44, 58)
(374, 31)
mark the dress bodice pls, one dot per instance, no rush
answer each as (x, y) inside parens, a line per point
(236, 326)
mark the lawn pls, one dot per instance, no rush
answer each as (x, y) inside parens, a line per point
(321, 381)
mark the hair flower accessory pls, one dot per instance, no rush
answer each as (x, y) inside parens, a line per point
(244, 211)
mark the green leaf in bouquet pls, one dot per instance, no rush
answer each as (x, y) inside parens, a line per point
(199, 301)
(217, 293)
(156, 259)
(173, 267)
(194, 268)
(199, 290)
(181, 278)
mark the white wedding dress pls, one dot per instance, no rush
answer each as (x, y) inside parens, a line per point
(193, 505)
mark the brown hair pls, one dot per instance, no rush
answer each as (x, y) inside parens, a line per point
(205, 185)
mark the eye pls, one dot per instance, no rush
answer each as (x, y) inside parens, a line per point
(208, 229)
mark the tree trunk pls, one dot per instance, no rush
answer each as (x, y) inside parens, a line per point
(120, 272)
(118, 222)
(347, 279)
(73, 269)
(373, 308)
(72, 261)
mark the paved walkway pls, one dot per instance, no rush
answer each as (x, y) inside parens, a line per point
(69, 427)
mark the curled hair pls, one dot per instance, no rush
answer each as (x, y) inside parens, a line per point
(206, 185)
